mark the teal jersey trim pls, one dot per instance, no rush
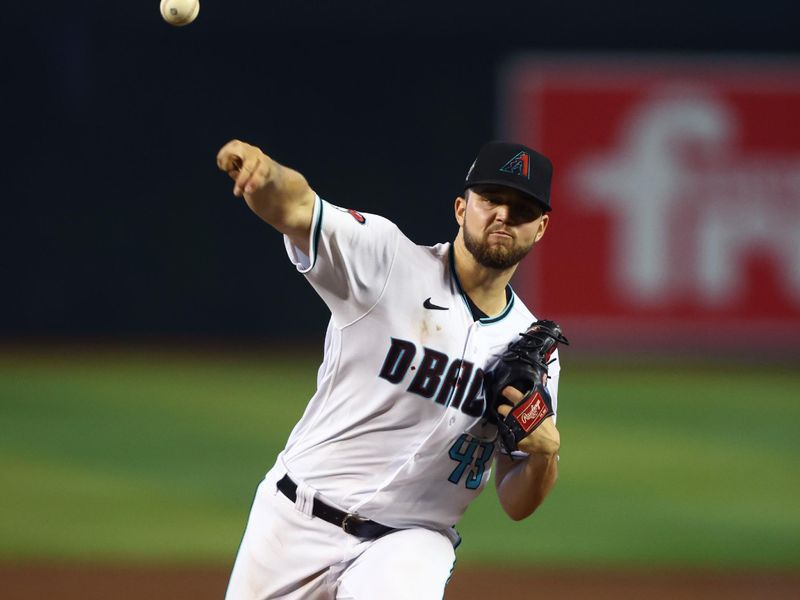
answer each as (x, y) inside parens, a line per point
(317, 232)
(451, 255)
(452, 258)
(502, 315)
(484, 320)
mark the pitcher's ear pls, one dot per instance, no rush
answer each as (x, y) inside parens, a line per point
(460, 208)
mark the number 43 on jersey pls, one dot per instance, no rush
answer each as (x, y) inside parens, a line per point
(471, 455)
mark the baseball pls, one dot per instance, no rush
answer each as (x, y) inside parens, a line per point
(180, 12)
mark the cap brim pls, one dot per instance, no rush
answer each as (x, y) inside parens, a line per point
(504, 183)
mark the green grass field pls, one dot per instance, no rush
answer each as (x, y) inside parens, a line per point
(136, 455)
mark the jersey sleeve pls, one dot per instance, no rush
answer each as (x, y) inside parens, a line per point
(350, 259)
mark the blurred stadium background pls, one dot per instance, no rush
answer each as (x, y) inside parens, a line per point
(157, 346)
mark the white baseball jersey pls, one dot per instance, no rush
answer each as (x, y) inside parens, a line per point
(397, 428)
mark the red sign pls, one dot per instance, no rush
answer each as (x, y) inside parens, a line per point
(676, 198)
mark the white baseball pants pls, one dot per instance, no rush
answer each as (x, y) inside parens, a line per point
(288, 554)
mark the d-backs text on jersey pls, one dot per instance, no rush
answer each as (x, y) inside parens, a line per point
(455, 383)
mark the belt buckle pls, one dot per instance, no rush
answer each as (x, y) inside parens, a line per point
(351, 520)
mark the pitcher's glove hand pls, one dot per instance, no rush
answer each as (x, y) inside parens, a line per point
(524, 367)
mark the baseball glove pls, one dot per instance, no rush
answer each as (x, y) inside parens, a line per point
(524, 367)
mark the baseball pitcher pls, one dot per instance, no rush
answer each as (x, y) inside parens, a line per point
(434, 373)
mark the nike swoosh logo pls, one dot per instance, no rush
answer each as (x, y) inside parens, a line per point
(429, 305)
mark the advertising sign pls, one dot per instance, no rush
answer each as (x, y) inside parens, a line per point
(676, 198)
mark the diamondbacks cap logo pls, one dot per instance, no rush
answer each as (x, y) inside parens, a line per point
(519, 165)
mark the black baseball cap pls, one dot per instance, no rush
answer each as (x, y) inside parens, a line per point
(515, 166)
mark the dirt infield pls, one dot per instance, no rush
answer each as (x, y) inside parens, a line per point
(19, 582)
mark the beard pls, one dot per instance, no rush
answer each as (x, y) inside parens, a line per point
(498, 257)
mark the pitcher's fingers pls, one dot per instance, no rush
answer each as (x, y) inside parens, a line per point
(232, 164)
(513, 394)
(249, 166)
(228, 161)
(259, 178)
(229, 154)
(223, 157)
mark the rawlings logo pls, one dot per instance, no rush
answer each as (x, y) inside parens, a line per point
(530, 413)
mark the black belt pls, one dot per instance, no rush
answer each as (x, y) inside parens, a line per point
(351, 523)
